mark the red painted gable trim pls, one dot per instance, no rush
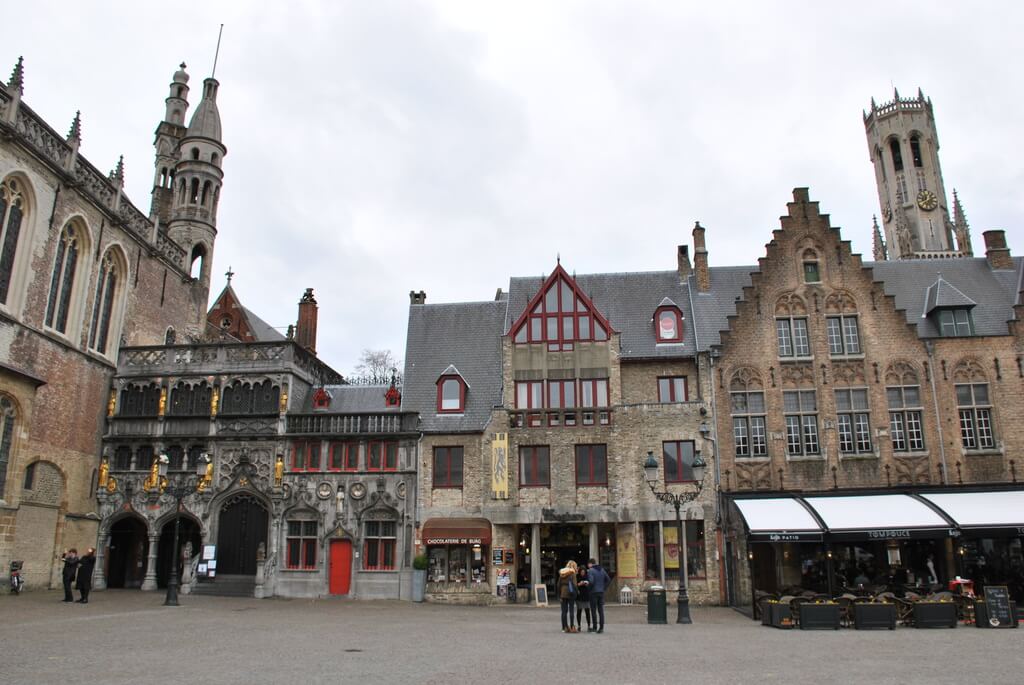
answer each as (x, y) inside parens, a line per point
(559, 271)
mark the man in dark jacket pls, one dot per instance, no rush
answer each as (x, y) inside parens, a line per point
(598, 581)
(70, 558)
(85, 568)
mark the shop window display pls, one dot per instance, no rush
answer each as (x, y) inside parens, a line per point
(457, 564)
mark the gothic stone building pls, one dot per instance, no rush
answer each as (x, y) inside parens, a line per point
(538, 410)
(868, 412)
(83, 272)
(310, 488)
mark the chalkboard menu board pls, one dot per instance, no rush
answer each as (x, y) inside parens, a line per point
(997, 604)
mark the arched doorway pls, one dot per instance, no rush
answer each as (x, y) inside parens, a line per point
(187, 532)
(241, 529)
(126, 555)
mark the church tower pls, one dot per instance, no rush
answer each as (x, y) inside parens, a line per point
(904, 149)
(169, 133)
(196, 178)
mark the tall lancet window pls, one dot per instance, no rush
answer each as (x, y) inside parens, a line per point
(103, 309)
(12, 205)
(63, 279)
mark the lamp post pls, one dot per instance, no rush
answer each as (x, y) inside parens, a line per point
(179, 488)
(677, 500)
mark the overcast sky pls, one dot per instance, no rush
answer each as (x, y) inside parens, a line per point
(380, 147)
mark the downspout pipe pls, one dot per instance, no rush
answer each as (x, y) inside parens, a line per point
(929, 346)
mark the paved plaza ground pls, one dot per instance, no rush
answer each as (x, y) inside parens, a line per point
(128, 637)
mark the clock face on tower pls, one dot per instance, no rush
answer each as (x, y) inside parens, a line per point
(927, 201)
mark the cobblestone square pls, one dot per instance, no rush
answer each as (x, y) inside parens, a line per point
(124, 637)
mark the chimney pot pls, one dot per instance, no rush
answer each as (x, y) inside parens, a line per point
(305, 331)
(419, 297)
(996, 252)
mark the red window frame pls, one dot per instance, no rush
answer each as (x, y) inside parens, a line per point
(673, 450)
(378, 546)
(533, 453)
(344, 457)
(301, 545)
(531, 387)
(594, 384)
(586, 455)
(387, 455)
(462, 394)
(674, 311)
(310, 456)
(559, 388)
(671, 385)
(548, 318)
(448, 454)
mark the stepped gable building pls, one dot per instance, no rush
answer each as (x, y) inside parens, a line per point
(84, 272)
(311, 482)
(538, 410)
(867, 415)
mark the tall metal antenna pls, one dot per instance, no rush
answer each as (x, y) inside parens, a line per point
(217, 53)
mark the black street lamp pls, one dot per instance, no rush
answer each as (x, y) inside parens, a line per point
(677, 500)
(179, 488)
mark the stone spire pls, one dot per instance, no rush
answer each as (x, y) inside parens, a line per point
(961, 228)
(878, 245)
(117, 175)
(18, 77)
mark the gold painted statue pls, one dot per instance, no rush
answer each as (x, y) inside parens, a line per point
(214, 401)
(207, 478)
(112, 403)
(152, 481)
(104, 473)
(163, 402)
(278, 471)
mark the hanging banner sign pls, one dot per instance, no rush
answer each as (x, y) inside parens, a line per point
(499, 466)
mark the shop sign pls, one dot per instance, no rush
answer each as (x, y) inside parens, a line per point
(552, 515)
(784, 537)
(997, 603)
(454, 541)
(497, 556)
(895, 533)
(499, 466)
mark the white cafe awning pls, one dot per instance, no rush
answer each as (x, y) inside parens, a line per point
(982, 510)
(878, 516)
(778, 519)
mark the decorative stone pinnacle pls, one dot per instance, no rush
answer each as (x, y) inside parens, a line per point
(76, 127)
(117, 175)
(18, 76)
(183, 66)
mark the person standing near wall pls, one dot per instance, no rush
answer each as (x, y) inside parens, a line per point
(71, 561)
(86, 565)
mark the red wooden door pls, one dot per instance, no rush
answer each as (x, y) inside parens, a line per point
(341, 566)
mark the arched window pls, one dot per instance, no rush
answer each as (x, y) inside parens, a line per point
(791, 327)
(195, 153)
(170, 336)
(183, 193)
(63, 279)
(139, 400)
(906, 408)
(198, 261)
(12, 207)
(451, 392)
(7, 416)
(193, 195)
(897, 156)
(107, 290)
(668, 323)
(841, 324)
(812, 268)
(214, 158)
(216, 197)
(190, 400)
(206, 193)
(746, 401)
(915, 150)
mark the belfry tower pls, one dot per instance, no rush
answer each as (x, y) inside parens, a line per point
(904, 149)
(188, 174)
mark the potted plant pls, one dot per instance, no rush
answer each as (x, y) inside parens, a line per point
(867, 615)
(419, 576)
(819, 615)
(776, 614)
(935, 614)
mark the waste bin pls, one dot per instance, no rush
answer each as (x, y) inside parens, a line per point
(657, 609)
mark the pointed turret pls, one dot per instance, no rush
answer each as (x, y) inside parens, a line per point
(878, 245)
(17, 80)
(169, 133)
(961, 228)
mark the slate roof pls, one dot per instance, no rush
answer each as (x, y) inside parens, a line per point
(465, 335)
(628, 301)
(994, 291)
(941, 294)
(261, 330)
(353, 399)
(713, 308)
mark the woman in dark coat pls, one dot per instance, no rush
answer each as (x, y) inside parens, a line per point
(85, 567)
(583, 600)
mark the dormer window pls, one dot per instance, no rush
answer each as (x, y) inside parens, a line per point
(451, 392)
(560, 315)
(321, 399)
(668, 323)
(955, 322)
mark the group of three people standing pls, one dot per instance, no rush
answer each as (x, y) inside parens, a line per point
(582, 590)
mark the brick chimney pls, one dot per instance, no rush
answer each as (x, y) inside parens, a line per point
(700, 259)
(417, 297)
(305, 332)
(996, 251)
(683, 258)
